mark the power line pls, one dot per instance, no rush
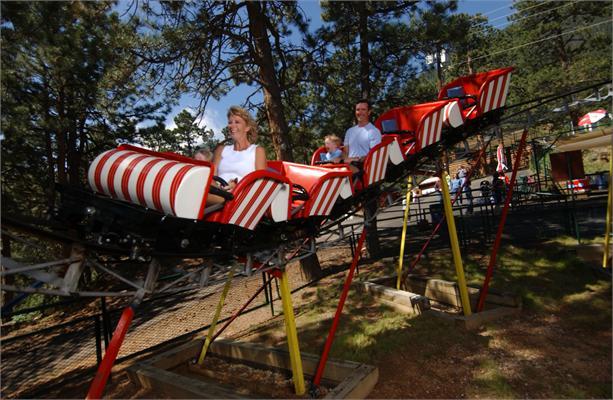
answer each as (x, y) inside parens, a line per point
(534, 15)
(536, 41)
(483, 28)
(493, 11)
(489, 21)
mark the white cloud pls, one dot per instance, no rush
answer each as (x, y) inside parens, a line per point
(212, 120)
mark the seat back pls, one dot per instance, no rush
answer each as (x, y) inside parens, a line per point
(323, 185)
(256, 194)
(316, 157)
(404, 119)
(375, 163)
(490, 88)
(166, 182)
(422, 122)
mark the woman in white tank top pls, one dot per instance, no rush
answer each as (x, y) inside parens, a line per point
(234, 161)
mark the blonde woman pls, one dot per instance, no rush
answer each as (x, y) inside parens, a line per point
(242, 156)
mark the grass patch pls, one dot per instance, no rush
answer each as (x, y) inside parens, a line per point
(366, 340)
(511, 358)
(590, 308)
(542, 276)
(491, 383)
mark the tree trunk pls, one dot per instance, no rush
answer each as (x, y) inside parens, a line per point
(8, 279)
(82, 141)
(272, 92)
(75, 148)
(61, 140)
(50, 189)
(73, 163)
(364, 53)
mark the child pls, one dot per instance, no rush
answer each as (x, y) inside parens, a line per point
(203, 154)
(334, 154)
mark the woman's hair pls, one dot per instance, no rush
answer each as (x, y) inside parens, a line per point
(252, 134)
(333, 139)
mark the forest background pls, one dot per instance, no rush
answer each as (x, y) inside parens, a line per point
(79, 78)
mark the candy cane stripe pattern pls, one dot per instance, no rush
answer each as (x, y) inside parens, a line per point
(326, 197)
(378, 165)
(494, 94)
(171, 187)
(253, 203)
(431, 129)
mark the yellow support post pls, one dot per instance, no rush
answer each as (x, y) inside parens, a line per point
(292, 336)
(222, 299)
(404, 233)
(455, 246)
(607, 235)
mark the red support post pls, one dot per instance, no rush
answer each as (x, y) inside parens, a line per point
(503, 219)
(339, 309)
(104, 370)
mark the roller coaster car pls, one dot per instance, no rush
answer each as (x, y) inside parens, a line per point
(315, 189)
(374, 168)
(419, 126)
(479, 94)
(173, 190)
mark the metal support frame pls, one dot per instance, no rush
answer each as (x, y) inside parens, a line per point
(49, 279)
(339, 309)
(220, 304)
(96, 388)
(503, 218)
(479, 159)
(292, 336)
(75, 270)
(205, 274)
(404, 233)
(455, 247)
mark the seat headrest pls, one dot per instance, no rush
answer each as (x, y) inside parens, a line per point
(389, 125)
(456, 91)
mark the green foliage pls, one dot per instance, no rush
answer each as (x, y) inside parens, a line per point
(185, 138)
(596, 160)
(555, 46)
(78, 79)
(70, 88)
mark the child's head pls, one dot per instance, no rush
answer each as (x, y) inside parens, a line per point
(203, 154)
(332, 142)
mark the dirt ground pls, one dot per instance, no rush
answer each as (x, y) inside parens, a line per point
(536, 354)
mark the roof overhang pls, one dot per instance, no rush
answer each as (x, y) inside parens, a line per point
(586, 141)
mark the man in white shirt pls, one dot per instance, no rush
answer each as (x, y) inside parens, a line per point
(359, 139)
(362, 137)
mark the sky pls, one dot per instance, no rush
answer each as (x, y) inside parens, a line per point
(215, 113)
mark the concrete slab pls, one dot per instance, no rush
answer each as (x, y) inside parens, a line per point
(163, 372)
